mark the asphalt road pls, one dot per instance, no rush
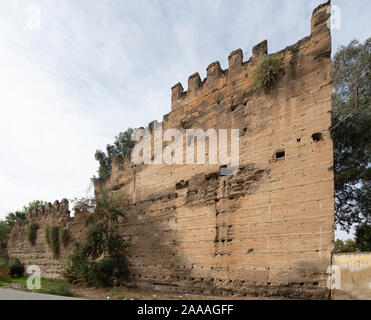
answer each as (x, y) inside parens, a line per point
(11, 294)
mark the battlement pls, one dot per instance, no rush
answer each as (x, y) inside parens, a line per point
(57, 208)
(214, 74)
(180, 98)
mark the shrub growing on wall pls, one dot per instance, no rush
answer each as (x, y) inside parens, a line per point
(4, 270)
(16, 269)
(122, 146)
(47, 235)
(64, 237)
(52, 238)
(31, 232)
(102, 240)
(266, 71)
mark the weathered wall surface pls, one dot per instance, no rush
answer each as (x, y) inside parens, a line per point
(266, 230)
(40, 254)
(353, 276)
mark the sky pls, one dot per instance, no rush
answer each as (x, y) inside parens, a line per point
(74, 73)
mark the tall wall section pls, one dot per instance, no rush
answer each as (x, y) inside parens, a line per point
(267, 229)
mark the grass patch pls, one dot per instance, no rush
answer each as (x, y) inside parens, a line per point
(59, 287)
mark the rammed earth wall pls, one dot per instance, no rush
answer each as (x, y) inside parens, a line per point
(268, 229)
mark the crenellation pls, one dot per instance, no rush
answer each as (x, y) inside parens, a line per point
(153, 125)
(194, 83)
(320, 18)
(55, 206)
(42, 210)
(214, 71)
(48, 208)
(64, 206)
(176, 92)
(165, 119)
(235, 59)
(260, 49)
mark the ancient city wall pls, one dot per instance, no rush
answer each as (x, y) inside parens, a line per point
(267, 229)
(40, 254)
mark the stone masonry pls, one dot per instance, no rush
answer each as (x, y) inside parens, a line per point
(267, 230)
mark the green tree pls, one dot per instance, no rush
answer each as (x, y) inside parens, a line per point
(12, 218)
(21, 216)
(122, 146)
(352, 135)
(345, 246)
(100, 259)
(4, 231)
(363, 238)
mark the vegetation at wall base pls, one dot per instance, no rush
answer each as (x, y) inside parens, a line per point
(13, 270)
(58, 287)
(266, 72)
(16, 269)
(31, 232)
(4, 270)
(100, 260)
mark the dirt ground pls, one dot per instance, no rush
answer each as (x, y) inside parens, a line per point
(144, 294)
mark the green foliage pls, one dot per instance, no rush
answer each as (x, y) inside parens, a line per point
(31, 232)
(352, 137)
(17, 217)
(49, 286)
(52, 234)
(100, 260)
(122, 146)
(16, 269)
(34, 205)
(102, 272)
(361, 243)
(78, 264)
(4, 231)
(3, 263)
(345, 246)
(64, 237)
(60, 290)
(21, 216)
(363, 238)
(266, 72)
